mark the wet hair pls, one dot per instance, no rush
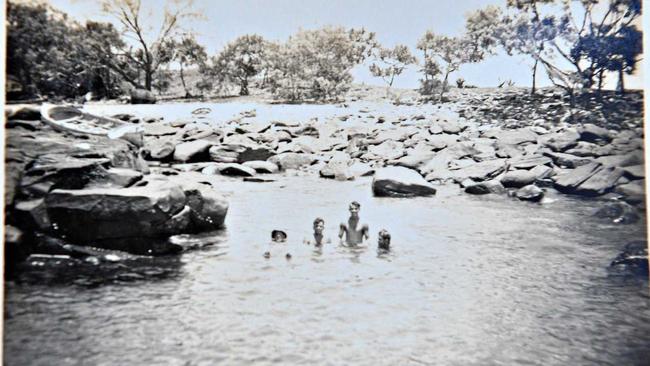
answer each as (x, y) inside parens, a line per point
(319, 220)
(281, 233)
(355, 204)
(384, 234)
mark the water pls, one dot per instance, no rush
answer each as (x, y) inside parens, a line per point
(471, 281)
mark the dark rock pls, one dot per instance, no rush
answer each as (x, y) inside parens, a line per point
(592, 133)
(24, 112)
(234, 169)
(142, 96)
(116, 177)
(490, 186)
(618, 212)
(530, 193)
(633, 260)
(635, 171)
(31, 215)
(400, 182)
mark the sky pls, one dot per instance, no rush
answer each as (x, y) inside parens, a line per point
(394, 22)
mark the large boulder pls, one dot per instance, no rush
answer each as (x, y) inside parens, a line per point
(291, 160)
(530, 193)
(400, 182)
(111, 218)
(518, 178)
(142, 96)
(634, 191)
(265, 167)
(196, 150)
(490, 186)
(592, 133)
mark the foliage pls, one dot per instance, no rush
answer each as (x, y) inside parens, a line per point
(49, 54)
(151, 50)
(390, 63)
(316, 64)
(186, 52)
(451, 52)
(240, 60)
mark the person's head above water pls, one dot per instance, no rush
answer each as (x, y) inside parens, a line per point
(319, 225)
(354, 208)
(278, 236)
(383, 240)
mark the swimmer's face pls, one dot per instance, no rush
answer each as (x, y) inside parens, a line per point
(319, 227)
(383, 242)
(278, 237)
(354, 210)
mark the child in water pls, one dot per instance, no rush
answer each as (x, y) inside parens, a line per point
(383, 240)
(353, 234)
(277, 236)
(319, 238)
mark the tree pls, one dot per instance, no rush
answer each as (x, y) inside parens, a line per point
(390, 63)
(187, 52)
(452, 52)
(316, 64)
(241, 60)
(150, 52)
(608, 43)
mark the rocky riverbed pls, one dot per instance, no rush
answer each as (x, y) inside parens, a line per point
(110, 194)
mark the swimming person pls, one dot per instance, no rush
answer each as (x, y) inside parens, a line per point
(319, 238)
(353, 235)
(383, 240)
(278, 236)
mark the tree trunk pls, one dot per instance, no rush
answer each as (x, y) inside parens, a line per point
(148, 77)
(532, 90)
(621, 82)
(601, 78)
(243, 87)
(444, 85)
(187, 92)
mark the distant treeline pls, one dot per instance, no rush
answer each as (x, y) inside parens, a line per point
(577, 44)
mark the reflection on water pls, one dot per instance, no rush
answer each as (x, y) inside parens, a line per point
(469, 281)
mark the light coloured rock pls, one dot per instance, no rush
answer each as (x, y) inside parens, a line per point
(262, 166)
(518, 178)
(530, 193)
(192, 150)
(292, 160)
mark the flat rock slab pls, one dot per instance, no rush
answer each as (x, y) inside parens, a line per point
(515, 137)
(601, 182)
(529, 161)
(400, 182)
(159, 129)
(480, 171)
(560, 141)
(568, 160)
(569, 180)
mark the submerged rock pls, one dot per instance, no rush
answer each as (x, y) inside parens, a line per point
(633, 260)
(618, 212)
(400, 182)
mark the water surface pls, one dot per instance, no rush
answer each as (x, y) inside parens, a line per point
(471, 281)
